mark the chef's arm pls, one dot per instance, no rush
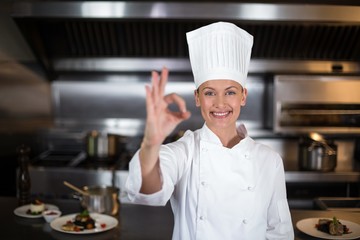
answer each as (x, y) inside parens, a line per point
(160, 122)
(279, 218)
(145, 179)
(150, 168)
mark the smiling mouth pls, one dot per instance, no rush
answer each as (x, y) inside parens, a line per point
(221, 114)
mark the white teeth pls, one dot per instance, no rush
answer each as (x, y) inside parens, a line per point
(220, 114)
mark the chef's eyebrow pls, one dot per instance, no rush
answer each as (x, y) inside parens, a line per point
(228, 88)
(241, 88)
(198, 89)
(208, 88)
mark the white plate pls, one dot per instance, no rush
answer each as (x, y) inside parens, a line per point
(100, 219)
(22, 211)
(308, 226)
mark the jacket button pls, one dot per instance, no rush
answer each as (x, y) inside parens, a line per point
(250, 188)
(202, 218)
(245, 221)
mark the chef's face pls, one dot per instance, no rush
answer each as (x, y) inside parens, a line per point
(220, 102)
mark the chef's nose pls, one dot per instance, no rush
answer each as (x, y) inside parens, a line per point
(220, 101)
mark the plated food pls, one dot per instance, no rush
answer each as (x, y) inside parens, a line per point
(36, 207)
(310, 227)
(84, 223)
(81, 222)
(332, 227)
(33, 210)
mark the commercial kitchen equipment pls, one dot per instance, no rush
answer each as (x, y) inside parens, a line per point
(323, 104)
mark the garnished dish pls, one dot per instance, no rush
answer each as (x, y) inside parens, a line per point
(84, 223)
(34, 209)
(327, 228)
(332, 227)
(81, 222)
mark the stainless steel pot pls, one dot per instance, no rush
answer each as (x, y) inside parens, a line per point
(100, 199)
(316, 154)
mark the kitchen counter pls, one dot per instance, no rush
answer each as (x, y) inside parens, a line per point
(136, 222)
(322, 177)
(47, 182)
(41, 176)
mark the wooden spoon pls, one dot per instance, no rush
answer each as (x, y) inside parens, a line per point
(76, 188)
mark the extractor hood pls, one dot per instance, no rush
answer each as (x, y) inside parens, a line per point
(133, 36)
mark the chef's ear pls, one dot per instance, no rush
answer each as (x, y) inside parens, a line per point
(196, 95)
(244, 96)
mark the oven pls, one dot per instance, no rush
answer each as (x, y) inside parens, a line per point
(323, 104)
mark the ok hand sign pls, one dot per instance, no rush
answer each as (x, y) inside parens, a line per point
(160, 121)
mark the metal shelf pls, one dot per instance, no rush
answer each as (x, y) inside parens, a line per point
(302, 176)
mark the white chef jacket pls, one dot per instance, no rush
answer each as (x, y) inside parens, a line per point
(218, 192)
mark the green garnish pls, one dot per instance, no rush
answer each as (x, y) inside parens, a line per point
(84, 213)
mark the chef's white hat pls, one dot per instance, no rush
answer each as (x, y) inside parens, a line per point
(219, 51)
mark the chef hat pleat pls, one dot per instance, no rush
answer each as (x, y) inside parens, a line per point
(219, 51)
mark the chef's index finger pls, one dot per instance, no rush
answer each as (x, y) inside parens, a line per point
(155, 87)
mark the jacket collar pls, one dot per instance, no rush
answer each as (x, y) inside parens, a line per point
(209, 136)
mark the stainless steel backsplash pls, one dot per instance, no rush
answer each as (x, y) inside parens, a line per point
(117, 104)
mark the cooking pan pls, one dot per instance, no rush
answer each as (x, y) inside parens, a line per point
(317, 154)
(100, 199)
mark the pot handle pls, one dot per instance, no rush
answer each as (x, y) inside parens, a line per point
(78, 196)
(329, 150)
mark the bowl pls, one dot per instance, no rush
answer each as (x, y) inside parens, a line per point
(50, 215)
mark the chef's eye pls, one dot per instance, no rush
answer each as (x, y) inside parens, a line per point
(209, 93)
(230, 93)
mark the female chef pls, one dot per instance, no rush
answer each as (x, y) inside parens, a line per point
(221, 183)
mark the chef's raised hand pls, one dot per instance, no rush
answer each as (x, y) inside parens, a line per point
(161, 121)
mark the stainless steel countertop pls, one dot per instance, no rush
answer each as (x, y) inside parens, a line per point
(306, 176)
(290, 176)
(49, 181)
